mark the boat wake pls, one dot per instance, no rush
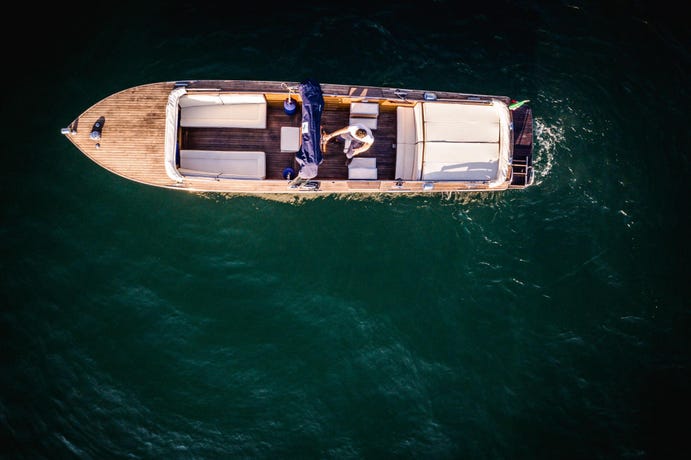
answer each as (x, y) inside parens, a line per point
(548, 137)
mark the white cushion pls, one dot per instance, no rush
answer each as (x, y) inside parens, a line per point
(193, 100)
(445, 122)
(229, 98)
(419, 123)
(362, 168)
(362, 173)
(363, 162)
(405, 144)
(224, 116)
(290, 139)
(364, 109)
(225, 164)
(406, 162)
(197, 174)
(460, 161)
(405, 125)
(364, 113)
(371, 123)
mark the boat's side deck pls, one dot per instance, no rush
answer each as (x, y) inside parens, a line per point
(334, 116)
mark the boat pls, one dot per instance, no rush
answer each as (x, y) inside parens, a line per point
(268, 137)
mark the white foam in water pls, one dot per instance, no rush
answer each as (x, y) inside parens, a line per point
(548, 137)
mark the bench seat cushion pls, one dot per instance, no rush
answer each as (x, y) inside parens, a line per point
(223, 164)
(236, 113)
(407, 167)
(362, 168)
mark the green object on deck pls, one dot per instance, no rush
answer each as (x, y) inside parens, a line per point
(516, 105)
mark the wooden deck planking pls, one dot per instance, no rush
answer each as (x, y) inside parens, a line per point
(132, 140)
(334, 116)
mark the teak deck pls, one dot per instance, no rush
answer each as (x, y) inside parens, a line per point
(335, 116)
(132, 141)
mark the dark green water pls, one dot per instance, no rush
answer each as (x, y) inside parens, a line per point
(551, 322)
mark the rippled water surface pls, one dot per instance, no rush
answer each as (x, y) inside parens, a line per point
(550, 322)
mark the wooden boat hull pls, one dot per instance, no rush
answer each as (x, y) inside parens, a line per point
(134, 125)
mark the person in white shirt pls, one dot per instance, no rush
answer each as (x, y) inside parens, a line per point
(358, 139)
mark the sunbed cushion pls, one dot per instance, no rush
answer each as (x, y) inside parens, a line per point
(224, 164)
(223, 111)
(460, 161)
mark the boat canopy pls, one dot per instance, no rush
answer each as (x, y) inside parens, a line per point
(309, 157)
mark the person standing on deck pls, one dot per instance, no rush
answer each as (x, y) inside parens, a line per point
(358, 139)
